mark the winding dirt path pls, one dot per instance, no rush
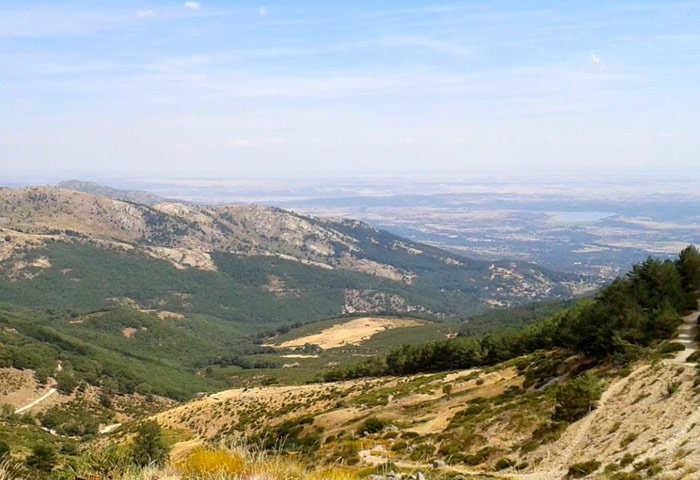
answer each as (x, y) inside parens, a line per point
(36, 402)
(578, 432)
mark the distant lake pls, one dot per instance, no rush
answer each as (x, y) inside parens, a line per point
(577, 218)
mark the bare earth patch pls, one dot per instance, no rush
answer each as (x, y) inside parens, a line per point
(129, 332)
(353, 332)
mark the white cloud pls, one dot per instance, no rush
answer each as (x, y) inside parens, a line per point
(193, 5)
(262, 11)
(597, 61)
(145, 14)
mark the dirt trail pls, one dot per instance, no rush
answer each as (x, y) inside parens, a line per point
(687, 333)
(577, 433)
(109, 428)
(560, 455)
(36, 402)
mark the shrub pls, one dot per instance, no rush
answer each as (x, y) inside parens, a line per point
(670, 347)
(7, 411)
(631, 437)
(529, 446)
(480, 456)
(4, 450)
(447, 389)
(503, 463)
(148, 446)
(577, 397)
(144, 388)
(584, 468)
(421, 451)
(65, 382)
(399, 447)
(371, 425)
(672, 388)
(548, 432)
(43, 457)
(625, 476)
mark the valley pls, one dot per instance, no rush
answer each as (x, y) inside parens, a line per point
(399, 240)
(330, 343)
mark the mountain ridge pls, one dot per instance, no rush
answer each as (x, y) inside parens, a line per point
(136, 196)
(188, 235)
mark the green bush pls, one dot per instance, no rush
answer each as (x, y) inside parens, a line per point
(577, 397)
(672, 387)
(371, 425)
(670, 347)
(503, 463)
(65, 382)
(399, 447)
(584, 468)
(4, 450)
(148, 446)
(43, 457)
(625, 476)
(421, 451)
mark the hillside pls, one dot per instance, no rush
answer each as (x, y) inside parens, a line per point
(607, 387)
(484, 417)
(380, 272)
(118, 289)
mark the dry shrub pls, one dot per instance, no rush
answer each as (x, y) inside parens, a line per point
(204, 462)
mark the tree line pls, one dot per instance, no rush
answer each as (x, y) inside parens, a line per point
(631, 313)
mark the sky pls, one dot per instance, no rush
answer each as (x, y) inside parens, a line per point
(227, 88)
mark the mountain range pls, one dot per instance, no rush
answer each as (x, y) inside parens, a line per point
(326, 267)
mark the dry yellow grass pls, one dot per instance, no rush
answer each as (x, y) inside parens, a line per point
(243, 464)
(203, 462)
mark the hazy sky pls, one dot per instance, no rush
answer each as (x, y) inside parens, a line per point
(228, 87)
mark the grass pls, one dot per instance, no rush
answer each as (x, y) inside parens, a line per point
(234, 464)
